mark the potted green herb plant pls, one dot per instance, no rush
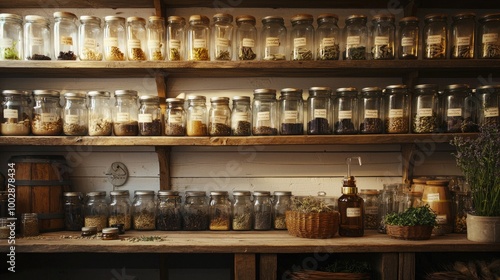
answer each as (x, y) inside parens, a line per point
(415, 223)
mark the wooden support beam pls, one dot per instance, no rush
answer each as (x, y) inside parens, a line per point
(406, 266)
(268, 266)
(407, 151)
(389, 266)
(163, 153)
(244, 267)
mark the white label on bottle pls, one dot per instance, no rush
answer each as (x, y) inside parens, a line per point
(145, 118)
(197, 117)
(328, 42)
(345, 115)
(454, 112)
(272, 42)
(434, 40)
(371, 114)
(291, 115)
(491, 112)
(36, 41)
(5, 42)
(371, 210)
(219, 119)
(240, 116)
(432, 197)
(111, 42)
(134, 44)
(353, 40)
(352, 212)
(395, 113)
(222, 42)
(199, 43)
(424, 112)
(407, 42)
(490, 38)
(299, 42)
(48, 117)
(174, 44)
(154, 44)
(463, 41)
(319, 113)
(66, 40)
(10, 114)
(263, 116)
(175, 118)
(71, 119)
(441, 219)
(381, 40)
(89, 43)
(248, 43)
(122, 117)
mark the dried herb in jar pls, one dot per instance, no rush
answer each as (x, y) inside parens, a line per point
(246, 53)
(396, 125)
(173, 129)
(425, 124)
(292, 128)
(195, 220)
(169, 219)
(371, 125)
(126, 128)
(200, 54)
(329, 52)
(144, 220)
(355, 53)
(302, 54)
(345, 126)
(66, 56)
(150, 128)
(242, 222)
(219, 129)
(318, 126)
(264, 130)
(39, 57)
(262, 220)
(243, 128)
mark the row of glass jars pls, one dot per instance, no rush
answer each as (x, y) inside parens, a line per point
(167, 212)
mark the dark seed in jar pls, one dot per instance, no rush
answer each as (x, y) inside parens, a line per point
(219, 129)
(173, 129)
(150, 128)
(371, 125)
(264, 130)
(243, 128)
(318, 126)
(125, 129)
(345, 126)
(292, 128)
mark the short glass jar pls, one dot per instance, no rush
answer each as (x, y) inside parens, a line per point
(73, 210)
(355, 38)
(371, 111)
(47, 120)
(90, 33)
(408, 36)
(16, 117)
(120, 209)
(263, 210)
(264, 112)
(463, 35)
(176, 33)
(75, 114)
(222, 37)
(345, 108)
(195, 211)
(242, 211)
(425, 108)
(144, 210)
(489, 36)
(219, 211)
(37, 36)
(65, 36)
(196, 120)
(219, 117)
(156, 38)
(371, 202)
(241, 116)
(115, 38)
(327, 37)
(100, 116)
(383, 37)
(489, 105)
(198, 38)
(11, 37)
(273, 38)
(136, 39)
(397, 109)
(149, 115)
(168, 211)
(29, 224)
(318, 111)
(110, 233)
(96, 210)
(175, 117)
(246, 37)
(125, 113)
(457, 116)
(88, 231)
(282, 202)
(291, 112)
(302, 37)
(435, 41)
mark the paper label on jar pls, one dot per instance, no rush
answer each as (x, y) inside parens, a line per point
(395, 113)
(71, 119)
(272, 42)
(345, 115)
(199, 43)
(381, 40)
(66, 40)
(299, 42)
(352, 212)
(371, 210)
(122, 117)
(111, 42)
(134, 44)
(48, 117)
(248, 43)
(491, 112)
(441, 219)
(222, 42)
(463, 41)
(10, 114)
(490, 38)
(291, 115)
(5, 42)
(36, 41)
(154, 44)
(328, 42)
(432, 197)
(424, 112)
(174, 44)
(219, 119)
(145, 118)
(353, 40)
(454, 112)
(407, 42)
(197, 117)
(263, 116)
(240, 116)
(175, 118)
(89, 43)
(319, 113)
(371, 114)
(434, 40)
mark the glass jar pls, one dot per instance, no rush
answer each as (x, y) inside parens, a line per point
(371, 202)
(246, 37)
(408, 36)
(242, 210)
(327, 37)
(346, 111)
(65, 36)
(241, 116)
(11, 37)
(397, 109)
(425, 108)
(302, 37)
(407, 200)
(435, 36)
(463, 34)
(96, 210)
(318, 111)
(383, 37)
(263, 210)
(100, 115)
(219, 117)
(222, 37)
(90, 33)
(291, 112)
(196, 116)
(16, 115)
(136, 39)
(168, 211)
(29, 224)
(46, 113)
(120, 209)
(125, 113)
(387, 205)
(219, 211)
(88, 231)
(144, 210)
(198, 38)
(455, 108)
(37, 36)
(73, 210)
(371, 111)
(273, 38)
(115, 38)
(175, 117)
(264, 112)
(195, 211)
(75, 114)
(149, 116)
(489, 36)
(355, 37)
(155, 35)
(282, 202)
(110, 233)
(176, 33)
(461, 206)
(489, 105)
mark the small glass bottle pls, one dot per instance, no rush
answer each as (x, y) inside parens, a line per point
(241, 116)
(115, 38)
(455, 107)
(408, 36)
(273, 38)
(75, 114)
(291, 112)
(302, 37)
(90, 33)
(282, 202)
(351, 206)
(176, 33)
(125, 113)
(435, 41)
(110, 233)
(489, 105)
(100, 116)
(96, 210)
(168, 211)
(371, 111)
(149, 116)
(355, 37)
(327, 37)
(463, 34)
(136, 39)
(156, 38)
(47, 120)
(371, 203)
(198, 38)
(29, 224)
(246, 37)
(73, 210)
(88, 231)
(196, 121)
(242, 211)
(120, 209)
(65, 36)
(219, 211)
(144, 210)
(264, 112)
(397, 109)
(175, 117)
(489, 36)
(219, 117)
(16, 117)
(195, 211)
(425, 109)
(318, 111)
(11, 37)
(346, 111)
(222, 37)
(383, 37)
(263, 210)
(37, 36)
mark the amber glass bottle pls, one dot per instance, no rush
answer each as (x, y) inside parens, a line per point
(351, 208)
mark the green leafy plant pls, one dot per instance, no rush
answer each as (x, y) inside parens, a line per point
(414, 216)
(310, 204)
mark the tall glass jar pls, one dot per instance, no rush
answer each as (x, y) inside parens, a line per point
(219, 211)
(65, 36)
(125, 113)
(397, 109)
(11, 37)
(264, 112)
(263, 210)
(425, 109)
(246, 37)
(327, 37)
(387, 205)
(345, 111)
(371, 111)
(195, 211)
(176, 33)
(175, 117)
(282, 202)
(16, 113)
(196, 116)
(241, 116)
(242, 211)
(149, 116)
(371, 201)
(37, 36)
(291, 112)
(100, 115)
(115, 38)
(489, 105)
(455, 113)
(318, 111)
(219, 117)
(75, 114)
(489, 36)
(408, 36)
(198, 38)
(156, 38)
(222, 37)
(73, 210)
(273, 38)
(47, 113)
(302, 37)
(144, 210)
(90, 33)
(136, 39)
(120, 209)
(435, 41)
(463, 34)
(29, 224)
(168, 211)
(355, 37)
(96, 210)
(383, 37)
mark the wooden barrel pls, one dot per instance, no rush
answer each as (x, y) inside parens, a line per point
(437, 195)
(40, 184)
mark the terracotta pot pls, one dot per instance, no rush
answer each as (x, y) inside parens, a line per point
(483, 229)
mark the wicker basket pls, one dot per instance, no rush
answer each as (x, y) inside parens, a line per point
(409, 232)
(312, 225)
(322, 275)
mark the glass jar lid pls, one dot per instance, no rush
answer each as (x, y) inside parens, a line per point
(144, 193)
(222, 17)
(72, 194)
(245, 18)
(46, 93)
(85, 19)
(435, 17)
(120, 193)
(95, 93)
(149, 98)
(219, 100)
(195, 193)
(261, 193)
(66, 15)
(136, 19)
(242, 193)
(327, 17)
(75, 95)
(126, 92)
(96, 193)
(176, 19)
(163, 193)
(4, 16)
(114, 18)
(269, 19)
(302, 17)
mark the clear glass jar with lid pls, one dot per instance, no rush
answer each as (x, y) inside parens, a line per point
(282, 202)
(383, 37)
(176, 33)
(345, 108)
(327, 37)
(355, 37)
(115, 38)
(489, 36)
(222, 37)
(175, 117)
(65, 36)
(196, 121)
(263, 210)
(246, 37)
(273, 38)
(73, 210)
(90, 33)
(195, 211)
(489, 105)
(219, 117)
(302, 37)
(371, 111)
(149, 115)
(16, 113)
(291, 112)
(29, 224)
(120, 209)
(47, 113)
(371, 202)
(100, 115)
(37, 36)
(425, 109)
(408, 36)
(125, 113)
(168, 211)
(156, 38)
(96, 210)
(435, 41)
(397, 109)
(264, 112)
(219, 211)
(11, 37)
(136, 39)
(75, 114)
(463, 35)
(318, 111)
(241, 116)
(110, 233)
(144, 210)
(242, 210)
(387, 204)
(455, 113)
(198, 38)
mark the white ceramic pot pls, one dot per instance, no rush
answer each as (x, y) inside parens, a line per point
(483, 229)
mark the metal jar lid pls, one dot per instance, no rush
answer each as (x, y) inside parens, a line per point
(219, 100)
(4, 16)
(302, 17)
(149, 98)
(195, 193)
(120, 193)
(282, 193)
(383, 17)
(242, 193)
(75, 95)
(96, 93)
(136, 19)
(461, 16)
(96, 193)
(489, 17)
(435, 17)
(261, 193)
(163, 193)
(326, 17)
(66, 15)
(408, 20)
(110, 230)
(72, 194)
(114, 18)
(196, 97)
(11, 92)
(46, 93)
(175, 19)
(144, 193)
(245, 18)
(218, 193)
(222, 17)
(353, 18)
(269, 19)
(178, 101)
(238, 98)
(457, 87)
(126, 92)
(84, 19)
